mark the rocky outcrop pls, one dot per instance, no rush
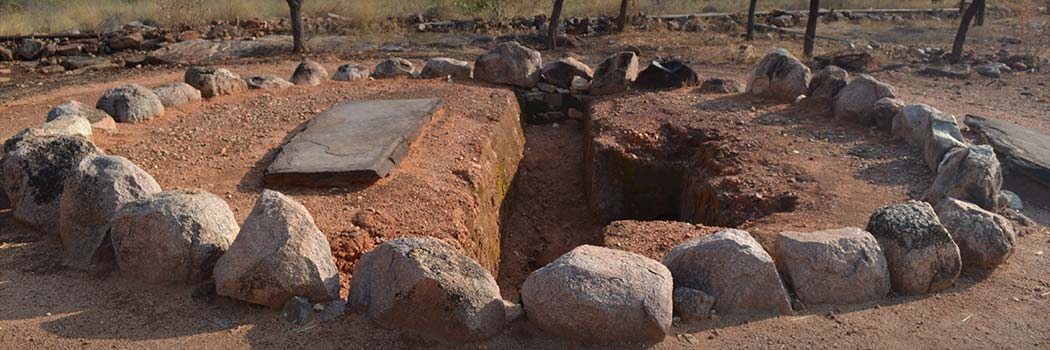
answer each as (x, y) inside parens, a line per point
(921, 255)
(856, 101)
(971, 174)
(426, 286)
(734, 269)
(615, 74)
(600, 295)
(985, 239)
(93, 192)
(213, 81)
(172, 238)
(779, 76)
(309, 73)
(560, 73)
(446, 67)
(839, 266)
(279, 253)
(131, 103)
(394, 68)
(177, 94)
(509, 63)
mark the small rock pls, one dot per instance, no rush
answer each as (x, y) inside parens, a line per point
(177, 94)
(394, 68)
(942, 136)
(267, 82)
(825, 87)
(856, 100)
(348, 72)
(580, 85)
(309, 73)
(884, 111)
(214, 82)
(76, 109)
(971, 174)
(667, 74)
(296, 310)
(615, 74)
(985, 239)
(1012, 200)
(131, 103)
(509, 63)
(692, 305)
(125, 41)
(912, 123)
(779, 76)
(721, 86)
(565, 70)
(444, 67)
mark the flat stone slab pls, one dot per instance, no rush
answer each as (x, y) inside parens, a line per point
(357, 141)
(1024, 150)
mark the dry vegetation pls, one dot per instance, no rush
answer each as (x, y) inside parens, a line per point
(29, 16)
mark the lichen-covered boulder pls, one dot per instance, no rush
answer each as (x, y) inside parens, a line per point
(394, 68)
(212, 81)
(733, 268)
(600, 295)
(985, 239)
(130, 103)
(309, 73)
(425, 286)
(348, 72)
(279, 253)
(441, 67)
(912, 123)
(839, 266)
(94, 191)
(172, 238)
(970, 174)
(267, 82)
(615, 74)
(560, 73)
(825, 86)
(856, 101)
(177, 94)
(509, 63)
(884, 111)
(921, 255)
(36, 166)
(942, 135)
(779, 76)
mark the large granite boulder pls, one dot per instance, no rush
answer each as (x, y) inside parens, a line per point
(267, 82)
(172, 238)
(177, 94)
(394, 68)
(825, 86)
(733, 268)
(666, 74)
(615, 74)
(600, 295)
(971, 174)
(921, 255)
(441, 67)
(509, 63)
(94, 191)
(985, 239)
(912, 123)
(942, 135)
(212, 81)
(856, 101)
(561, 72)
(131, 103)
(36, 166)
(348, 72)
(839, 266)
(779, 76)
(279, 253)
(426, 286)
(309, 73)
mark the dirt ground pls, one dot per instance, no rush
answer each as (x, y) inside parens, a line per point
(842, 173)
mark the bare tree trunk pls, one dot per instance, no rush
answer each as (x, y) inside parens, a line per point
(552, 31)
(621, 22)
(751, 20)
(296, 6)
(811, 28)
(960, 36)
(980, 17)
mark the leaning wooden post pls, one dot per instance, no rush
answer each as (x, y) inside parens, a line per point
(811, 28)
(552, 31)
(964, 25)
(751, 20)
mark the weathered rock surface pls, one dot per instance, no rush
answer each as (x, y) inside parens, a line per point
(441, 67)
(734, 269)
(131, 103)
(856, 100)
(985, 239)
(213, 81)
(278, 254)
(36, 166)
(667, 74)
(172, 238)
(615, 74)
(177, 94)
(600, 295)
(394, 68)
(884, 111)
(561, 72)
(839, 266)
(426, 286)
(509, 63)
(921, 255)
(1024, 151)
(267, 82)
(825, 86)
(93, 192)
(69, 126)
(691, 304)
(29, 49)
(348, 72)
(721, 86)
(912, 123)
(309, 73)
(77, 109)
(942, 136)
(125, 41)
(779, 76)
(970, 174)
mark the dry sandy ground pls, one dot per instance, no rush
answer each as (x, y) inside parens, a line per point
(47, 306)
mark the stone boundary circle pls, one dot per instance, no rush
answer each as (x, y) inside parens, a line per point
(357, 141)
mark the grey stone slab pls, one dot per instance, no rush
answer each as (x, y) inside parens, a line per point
(1024, 151)
(357, 141)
